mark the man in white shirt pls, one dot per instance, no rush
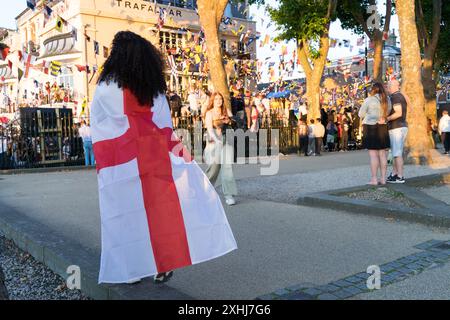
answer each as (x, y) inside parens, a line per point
(444, 131)
(303, 111)
(319, 133)
(194, 103)
(85, 134)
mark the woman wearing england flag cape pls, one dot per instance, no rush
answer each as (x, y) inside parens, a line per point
(159, 212)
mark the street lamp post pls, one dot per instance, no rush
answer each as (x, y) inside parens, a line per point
(86, 61)
(366, 73)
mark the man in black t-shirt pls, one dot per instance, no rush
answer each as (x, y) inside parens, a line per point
(175, 105)
(237, 108)
(398, 130)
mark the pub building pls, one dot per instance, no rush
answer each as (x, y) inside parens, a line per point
(72, 39)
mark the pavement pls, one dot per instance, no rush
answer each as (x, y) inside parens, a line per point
(280, 244)
(440, 193)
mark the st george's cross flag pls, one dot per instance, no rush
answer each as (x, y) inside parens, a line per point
(29, 60)
(159, 212)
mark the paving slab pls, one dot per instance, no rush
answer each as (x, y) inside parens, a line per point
(426, 209)
(287, 188)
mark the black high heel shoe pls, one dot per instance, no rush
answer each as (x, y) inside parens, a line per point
(162, 277)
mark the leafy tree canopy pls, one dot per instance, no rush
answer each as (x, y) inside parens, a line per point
(301, 19)
(354, 15)
(443, 46)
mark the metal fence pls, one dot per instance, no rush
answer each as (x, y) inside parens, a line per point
(286, 141)
(48, 137)
(40, 137)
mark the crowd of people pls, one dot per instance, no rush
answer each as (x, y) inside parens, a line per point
(338, 127)
(40, 95)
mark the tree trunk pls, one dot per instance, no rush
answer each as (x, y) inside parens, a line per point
(211, 13)
(313, 78)
(314, 70)
(376, 36)
(429, 49)
(418, 144)
(429, 85)
(314, 73)
(378, 56)
(313, 95)
(3, 291)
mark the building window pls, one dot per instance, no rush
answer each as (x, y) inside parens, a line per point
(170, 40)
(65, 78)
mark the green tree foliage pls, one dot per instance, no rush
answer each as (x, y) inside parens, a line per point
(307, 22)
(426, 18)
(301, 19)
(357, 15)
(354, 16)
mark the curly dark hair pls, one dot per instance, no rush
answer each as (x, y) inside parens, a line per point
(135, 64)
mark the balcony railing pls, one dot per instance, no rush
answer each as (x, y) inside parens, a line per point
(59, 44)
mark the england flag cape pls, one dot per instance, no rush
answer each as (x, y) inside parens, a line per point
(159, 212)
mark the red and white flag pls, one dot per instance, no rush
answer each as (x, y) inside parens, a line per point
(161, 18)
(46, 66)
(4, 51)
(29, 60)
(158, 209)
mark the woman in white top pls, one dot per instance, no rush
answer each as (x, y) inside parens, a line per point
(373, 113)
(218, 154)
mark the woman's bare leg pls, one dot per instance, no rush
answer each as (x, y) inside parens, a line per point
(383, 165)
(374, 165)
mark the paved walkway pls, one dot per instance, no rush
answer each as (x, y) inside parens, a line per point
(441, 193)
(280, 244)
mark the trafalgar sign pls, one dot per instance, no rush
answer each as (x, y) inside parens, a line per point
(153, 8)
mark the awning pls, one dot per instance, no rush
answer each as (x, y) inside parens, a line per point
(277, 95)
(59, 45)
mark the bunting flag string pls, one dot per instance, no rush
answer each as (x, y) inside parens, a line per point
(184, 58)
(31, 4)
(60, 22)
(55, 68)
